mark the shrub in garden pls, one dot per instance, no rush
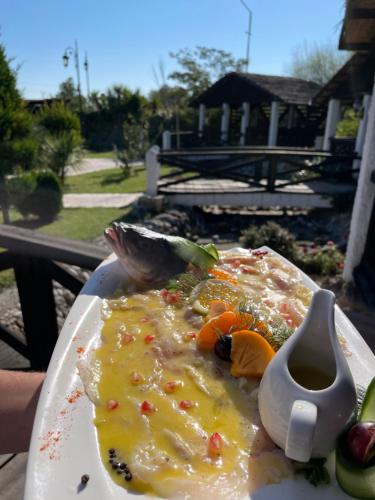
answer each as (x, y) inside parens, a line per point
(272, 235)
(61, 141)
(325, 261)
(37, 193)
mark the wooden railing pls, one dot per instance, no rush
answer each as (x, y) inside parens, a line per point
(36, 259)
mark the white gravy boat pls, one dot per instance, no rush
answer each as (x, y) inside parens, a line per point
(305, 418)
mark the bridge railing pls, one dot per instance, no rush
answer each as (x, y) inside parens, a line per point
(36, 259)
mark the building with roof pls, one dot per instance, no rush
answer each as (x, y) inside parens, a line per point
(356, 80)
(262, 110)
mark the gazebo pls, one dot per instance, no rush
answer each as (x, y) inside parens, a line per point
(261, 110)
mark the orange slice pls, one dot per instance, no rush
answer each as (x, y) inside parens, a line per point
(250, 354)
(225, 323)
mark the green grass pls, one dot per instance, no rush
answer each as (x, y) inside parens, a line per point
(75, 223)
(94, 154)
(109, 181)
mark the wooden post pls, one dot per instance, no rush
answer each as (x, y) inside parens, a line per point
(333, 116)
(167, 143)
(201, 122)
(38, 309)
(225, 122)
(364, 199)
(272, 165)
(274, 124)
(244, 122)
(153, 170)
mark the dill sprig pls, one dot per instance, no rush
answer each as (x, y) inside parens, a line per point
(275, 334)
(184, 283)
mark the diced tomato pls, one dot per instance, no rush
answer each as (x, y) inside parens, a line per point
(164, 292)
(136, 378)
(127, 339)
(215, 445)
(188, 337)
(147, 408)
(259, 253)
(173, 298)
(112, 404)
(186, 404)
(172, 386)
(149, 339)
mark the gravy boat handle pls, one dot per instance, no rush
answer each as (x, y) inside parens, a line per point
(302, 422)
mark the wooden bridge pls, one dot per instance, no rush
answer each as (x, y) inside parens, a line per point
(252, 176)
(36, 259)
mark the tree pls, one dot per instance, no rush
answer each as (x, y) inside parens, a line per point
(202, 66)
(316, 62)
(61, 141)
(16, 148)
(68, 93)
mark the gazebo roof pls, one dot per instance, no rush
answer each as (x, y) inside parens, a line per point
(355, 78)
(358, 29)
(236, 88)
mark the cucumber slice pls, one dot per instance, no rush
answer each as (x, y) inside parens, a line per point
(367, 413)
(355, 479)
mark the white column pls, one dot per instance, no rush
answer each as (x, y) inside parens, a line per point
(290, 117)
(360, 139)
(244, 122)
(225, 122)
(274, 124)
(152, 170)
(364, 199)
(333, 116)
(167, 140)
(201, 122)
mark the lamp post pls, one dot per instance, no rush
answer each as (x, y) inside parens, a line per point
(86, 66)
(69, 51)
(248, 32)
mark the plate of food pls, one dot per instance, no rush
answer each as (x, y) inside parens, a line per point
(152, 390)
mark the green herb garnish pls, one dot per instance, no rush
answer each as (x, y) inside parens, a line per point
(314, 471)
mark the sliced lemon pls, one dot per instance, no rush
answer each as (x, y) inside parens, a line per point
(204, 293)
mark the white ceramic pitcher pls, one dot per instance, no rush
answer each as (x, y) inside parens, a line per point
(307, 393)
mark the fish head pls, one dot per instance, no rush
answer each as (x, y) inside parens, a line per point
(146, 255)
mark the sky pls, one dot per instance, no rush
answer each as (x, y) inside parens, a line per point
(126, 39)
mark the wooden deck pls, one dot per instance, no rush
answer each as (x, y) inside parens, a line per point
(236, 193)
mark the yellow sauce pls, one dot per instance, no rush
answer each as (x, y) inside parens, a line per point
(219, 404)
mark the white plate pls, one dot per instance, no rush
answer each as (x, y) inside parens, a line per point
(64, 444)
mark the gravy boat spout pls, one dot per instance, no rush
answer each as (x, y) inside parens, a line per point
(307, 394)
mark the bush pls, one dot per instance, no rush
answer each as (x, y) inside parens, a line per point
(326, 261)
(272, 235)
(37, 193)
(58, 119)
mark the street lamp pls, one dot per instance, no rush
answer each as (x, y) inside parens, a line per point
(69, 51)
(248, 32)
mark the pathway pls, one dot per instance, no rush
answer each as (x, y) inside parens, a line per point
(106, 200)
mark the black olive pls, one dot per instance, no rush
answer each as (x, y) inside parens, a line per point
(223, 347)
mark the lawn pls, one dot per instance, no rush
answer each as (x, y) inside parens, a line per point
(75, 223)
(95, 154)
(109, 181)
